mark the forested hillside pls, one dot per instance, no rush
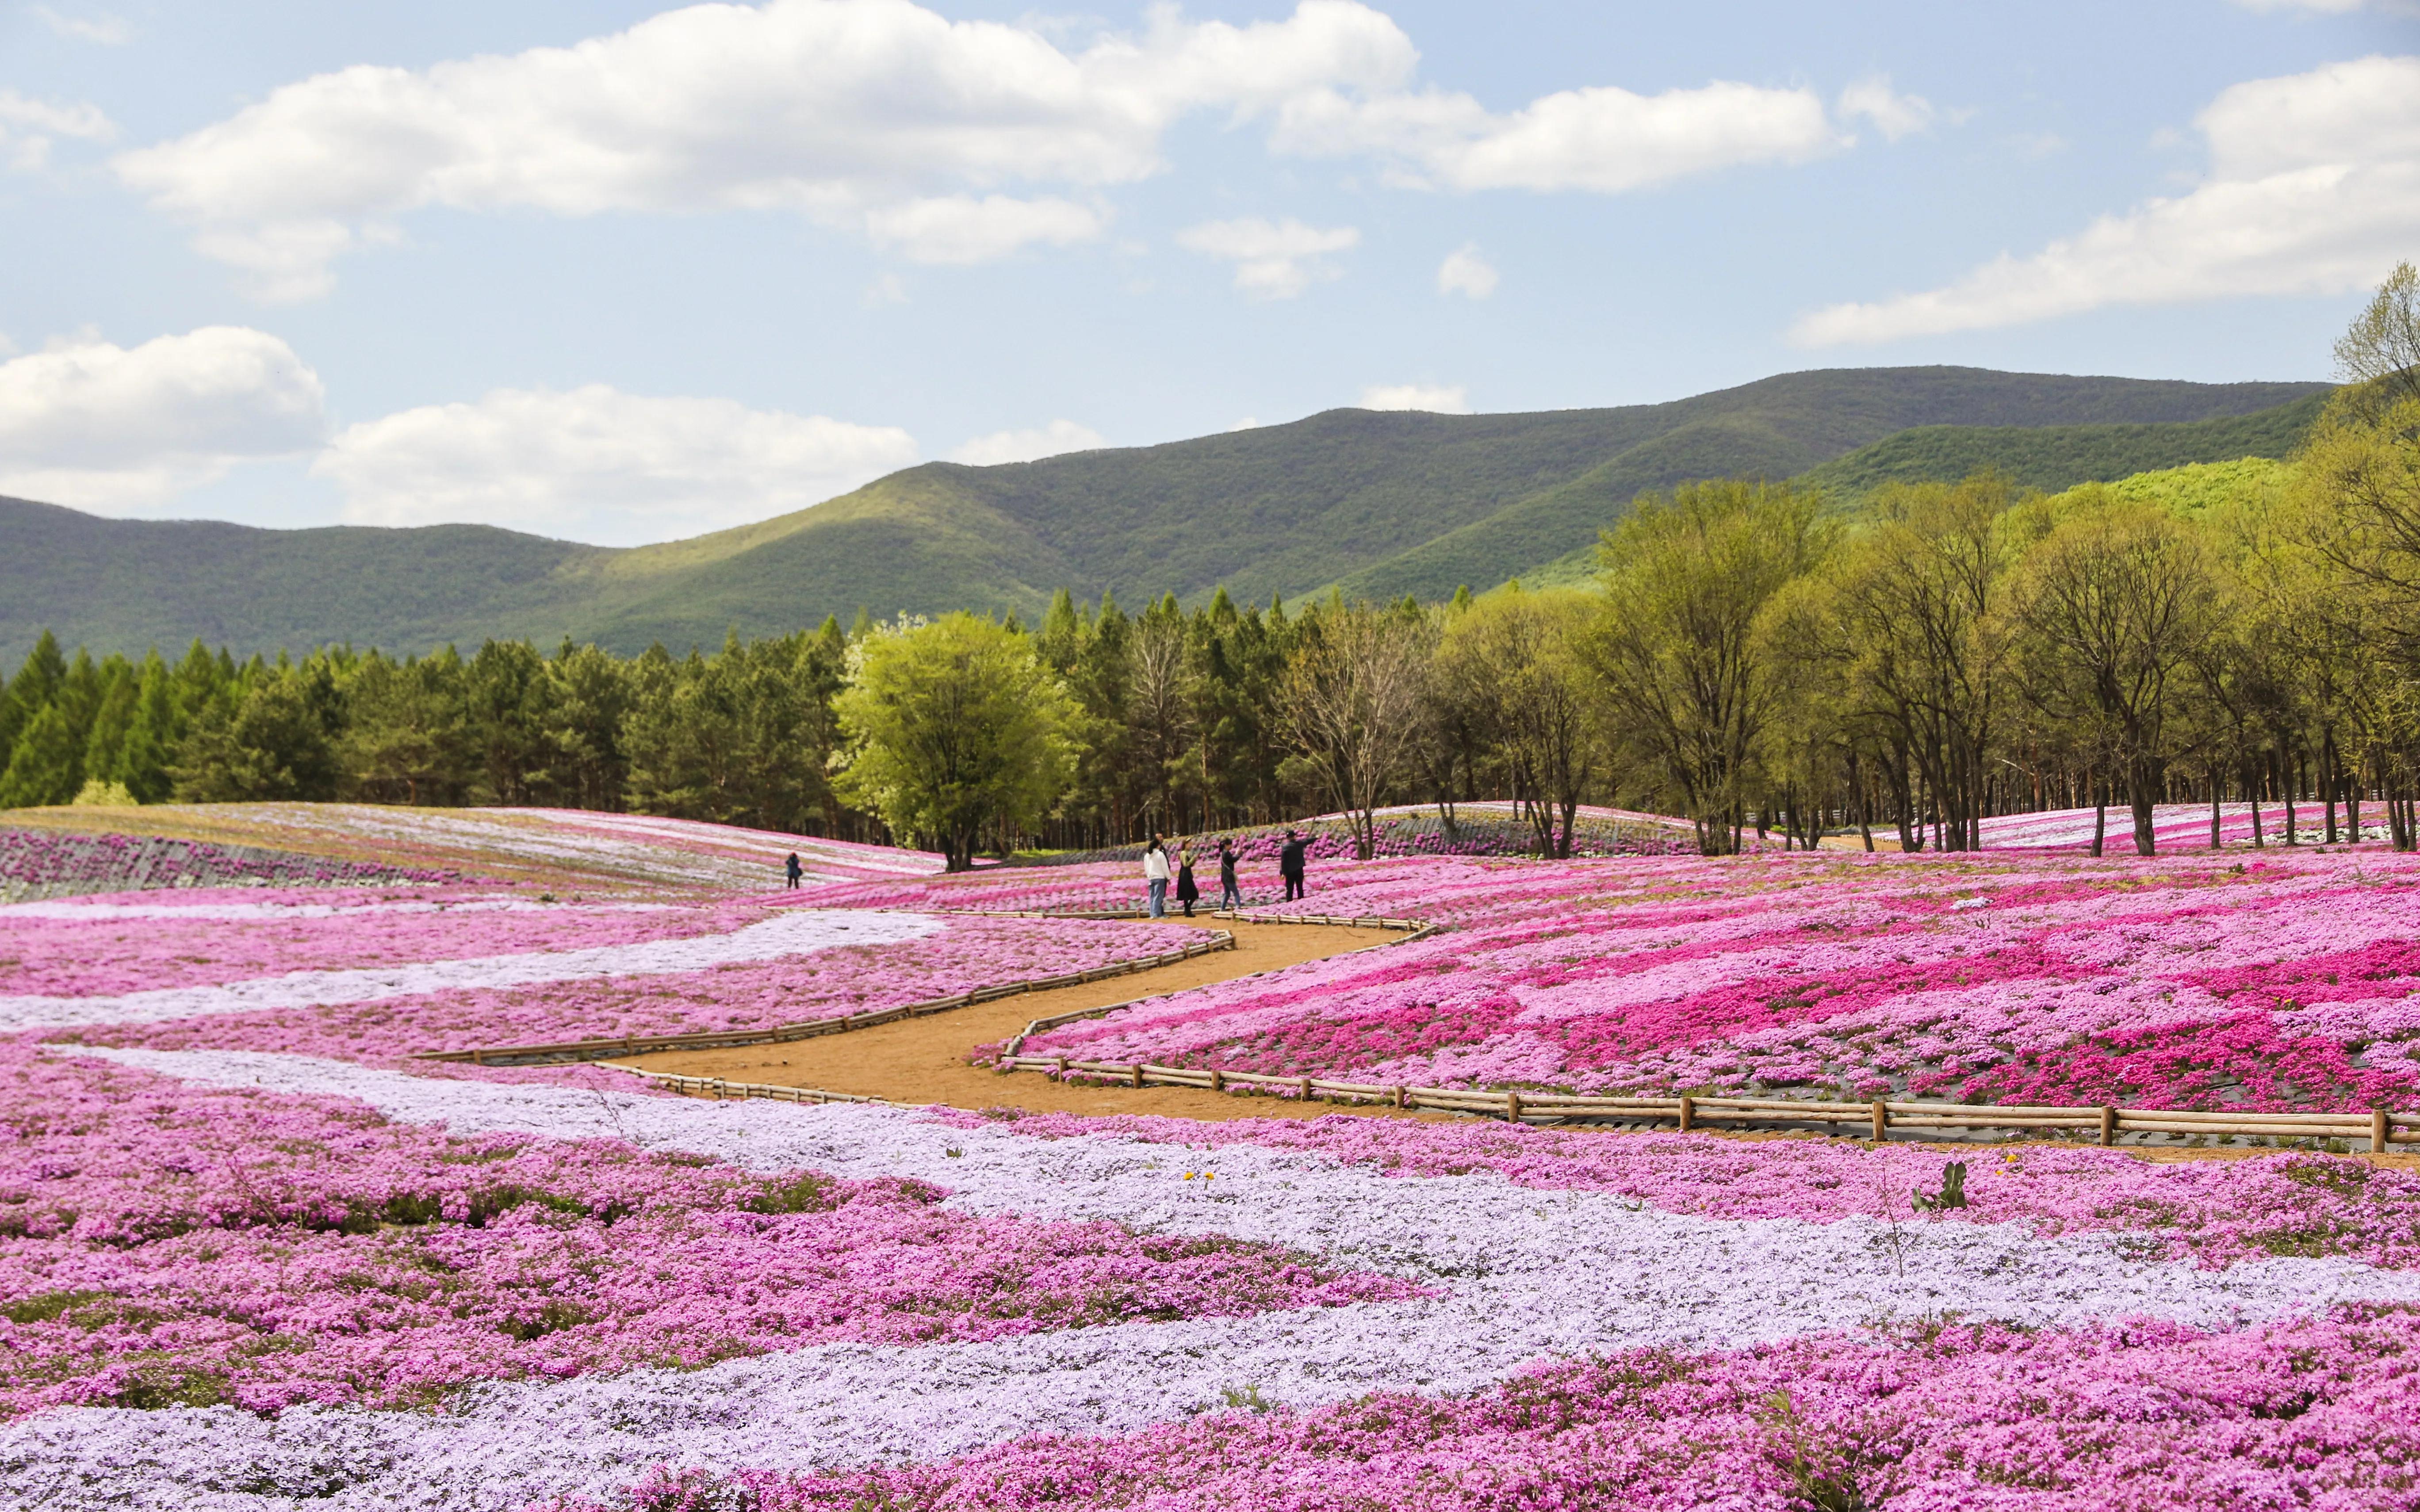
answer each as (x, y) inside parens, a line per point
(2052, 457)
(1381, 504)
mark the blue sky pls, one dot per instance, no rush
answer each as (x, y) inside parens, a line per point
(620, 273)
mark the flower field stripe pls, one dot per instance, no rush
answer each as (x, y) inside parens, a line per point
(1524, 1275)
(597, 1049)
(2316, 1414)
(125, 909)
(791, 933)
(1647, 1275)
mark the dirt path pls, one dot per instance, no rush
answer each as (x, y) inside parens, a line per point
(924, 1060)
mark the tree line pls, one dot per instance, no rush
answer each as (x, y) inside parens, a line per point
(1749, 656)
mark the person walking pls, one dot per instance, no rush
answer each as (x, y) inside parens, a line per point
(795, 869)
(1154, 876)
(1289, 864)
(1188, 890)
(1230, 895)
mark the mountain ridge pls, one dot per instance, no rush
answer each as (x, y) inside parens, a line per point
(1378, 503)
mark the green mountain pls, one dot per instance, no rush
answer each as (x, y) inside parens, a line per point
(1379, 504)
(2057, 457)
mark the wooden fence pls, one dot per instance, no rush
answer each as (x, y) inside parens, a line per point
(575, 1050)
(1879, 1118)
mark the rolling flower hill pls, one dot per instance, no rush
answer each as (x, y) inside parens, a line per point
(255, 1255)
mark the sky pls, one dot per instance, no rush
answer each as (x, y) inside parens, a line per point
(619, 273)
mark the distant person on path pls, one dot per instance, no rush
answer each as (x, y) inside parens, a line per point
(1289, 864)
(796, 870)
(1154, 875)
(1230, 895)
(1186, 890)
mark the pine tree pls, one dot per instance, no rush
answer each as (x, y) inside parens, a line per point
(105, 745)
(46, 768)
(152, 736)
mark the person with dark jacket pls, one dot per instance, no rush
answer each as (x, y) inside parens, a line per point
(1230, 895)
(1289, 864)
(1188, 890)
(795, 869)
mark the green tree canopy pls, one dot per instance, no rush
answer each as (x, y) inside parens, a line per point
(953, 728)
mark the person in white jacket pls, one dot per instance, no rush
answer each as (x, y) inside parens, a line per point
(1155, 875)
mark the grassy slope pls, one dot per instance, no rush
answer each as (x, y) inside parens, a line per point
(1383, 504)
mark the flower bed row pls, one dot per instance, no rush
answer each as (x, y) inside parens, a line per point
(173, 1245)
(1704, 1275)
(2275, 983)
(2318, 1413)
(42, 864)
(368, 980)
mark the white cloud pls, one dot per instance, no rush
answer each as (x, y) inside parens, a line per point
(874, 115)
(595, 464)
(1604, 140)
(2314, 188)
(1895, 116)
(949, 141)
(1274, 260)
(107, 30)
(1029, 445)
(28, 126)
(1431, 397)
(1466, 272)
(1248, 423)
(94, 425)
(963, 229)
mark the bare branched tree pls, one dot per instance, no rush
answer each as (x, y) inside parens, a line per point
(2116, 601)
(1353, 696)
(1162, 704)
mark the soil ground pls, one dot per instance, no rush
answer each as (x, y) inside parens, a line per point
(925, 1059)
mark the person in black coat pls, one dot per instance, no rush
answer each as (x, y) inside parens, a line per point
(1289, 864)
(1231, 896)
(1187, 889)
(795, 869)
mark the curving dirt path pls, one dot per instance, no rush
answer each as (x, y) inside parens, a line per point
(924, 1060)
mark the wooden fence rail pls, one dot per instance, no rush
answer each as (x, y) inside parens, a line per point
(576, 1050)
(2379, 1128)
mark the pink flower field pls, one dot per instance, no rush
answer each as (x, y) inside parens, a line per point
(357, 979)
(253, 1255)
(174, 1245)
(2261, 979)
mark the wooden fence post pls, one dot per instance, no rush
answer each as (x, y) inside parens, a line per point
(1218, 1080)
(1882, 1121)
(1402, 1097)
(1136, 1072)
(2108, 1124)
(1513, 1107)
(2378, 1132)
(1305, 1093)
(1688, 1112)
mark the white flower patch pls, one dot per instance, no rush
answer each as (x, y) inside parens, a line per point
(1523, 1275)
(790, 933)
(77, 911)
